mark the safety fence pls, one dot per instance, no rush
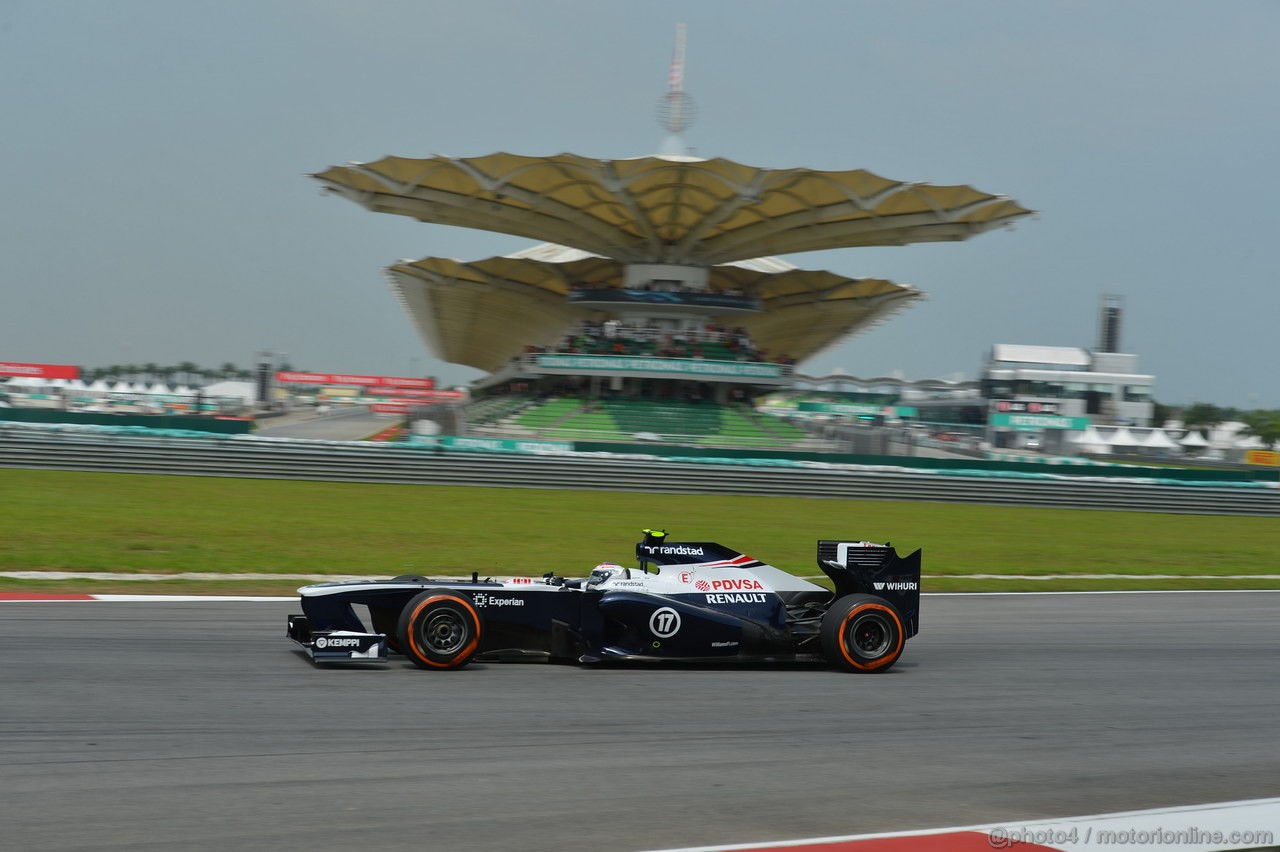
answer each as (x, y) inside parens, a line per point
(250, 457)
(218, 425)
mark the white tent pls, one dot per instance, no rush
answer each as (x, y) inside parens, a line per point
(100, 385)
(1090, 441)
(1224, 435)
(158, 389)
(76, 384)
(1124, 438)
(123, 387)
(239, 390)
(183, 390)
(1158, 440)
(1250, 442)
(1193, 439)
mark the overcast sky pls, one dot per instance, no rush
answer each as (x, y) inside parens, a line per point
(155, 204)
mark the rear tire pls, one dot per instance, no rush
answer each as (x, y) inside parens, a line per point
(439, 629)
(862, 633)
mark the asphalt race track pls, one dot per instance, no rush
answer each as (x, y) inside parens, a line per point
(197, 726)
(342, 424)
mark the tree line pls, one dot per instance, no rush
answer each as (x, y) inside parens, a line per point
(1203, 417)
(186, 373)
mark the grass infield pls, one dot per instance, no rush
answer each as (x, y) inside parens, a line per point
(91, 522)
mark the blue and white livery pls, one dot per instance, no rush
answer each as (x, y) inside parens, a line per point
(683, 601)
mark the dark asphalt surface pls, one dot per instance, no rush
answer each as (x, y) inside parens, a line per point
(196, 726)
(340, 424)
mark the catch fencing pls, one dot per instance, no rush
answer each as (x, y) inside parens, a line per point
(371, 462)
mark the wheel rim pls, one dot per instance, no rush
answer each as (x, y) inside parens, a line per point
(870, 635)
(444, 633)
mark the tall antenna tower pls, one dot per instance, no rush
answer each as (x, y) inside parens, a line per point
(1109, 315)
(677, 109)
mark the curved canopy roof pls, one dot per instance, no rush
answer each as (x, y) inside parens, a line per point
(670, 209)
(485, 312)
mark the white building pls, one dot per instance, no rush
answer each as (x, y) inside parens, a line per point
(1067, 381)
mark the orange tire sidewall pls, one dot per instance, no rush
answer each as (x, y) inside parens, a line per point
(413, 632)
(887, 658)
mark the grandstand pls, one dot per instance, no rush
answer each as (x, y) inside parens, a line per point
(629, 420)
(653, 310)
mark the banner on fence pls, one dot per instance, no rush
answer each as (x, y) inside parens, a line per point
(39, 371)
(289, 377)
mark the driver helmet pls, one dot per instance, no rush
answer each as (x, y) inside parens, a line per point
(604, 572)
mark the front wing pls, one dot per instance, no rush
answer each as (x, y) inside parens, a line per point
(337, 646)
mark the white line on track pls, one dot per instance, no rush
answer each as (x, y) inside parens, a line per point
(1099, 592)
(1182, 828)
(1086, 577)
(192, 598)
(55, 597)
(189, 575)
(320, 578)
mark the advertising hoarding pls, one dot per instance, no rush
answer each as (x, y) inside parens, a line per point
(293, 377)
(689, 367)
(39, 371)
(858, 409)
(408, 393)
(696, 298)
(1270, 458)
(1035, 422)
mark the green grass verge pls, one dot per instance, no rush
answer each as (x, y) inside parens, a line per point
(67, 521)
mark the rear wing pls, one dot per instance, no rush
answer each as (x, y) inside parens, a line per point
(654, 549)
(864, 568)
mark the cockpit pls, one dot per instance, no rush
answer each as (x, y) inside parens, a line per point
(606, 571)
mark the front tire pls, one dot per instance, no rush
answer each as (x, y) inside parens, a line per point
(439, 629)
(862, 633)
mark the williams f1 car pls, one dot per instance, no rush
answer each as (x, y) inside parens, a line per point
(692, 601)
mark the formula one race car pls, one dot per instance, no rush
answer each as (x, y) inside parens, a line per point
(695, 601)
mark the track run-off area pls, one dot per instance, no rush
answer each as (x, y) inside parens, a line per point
(138, 723)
